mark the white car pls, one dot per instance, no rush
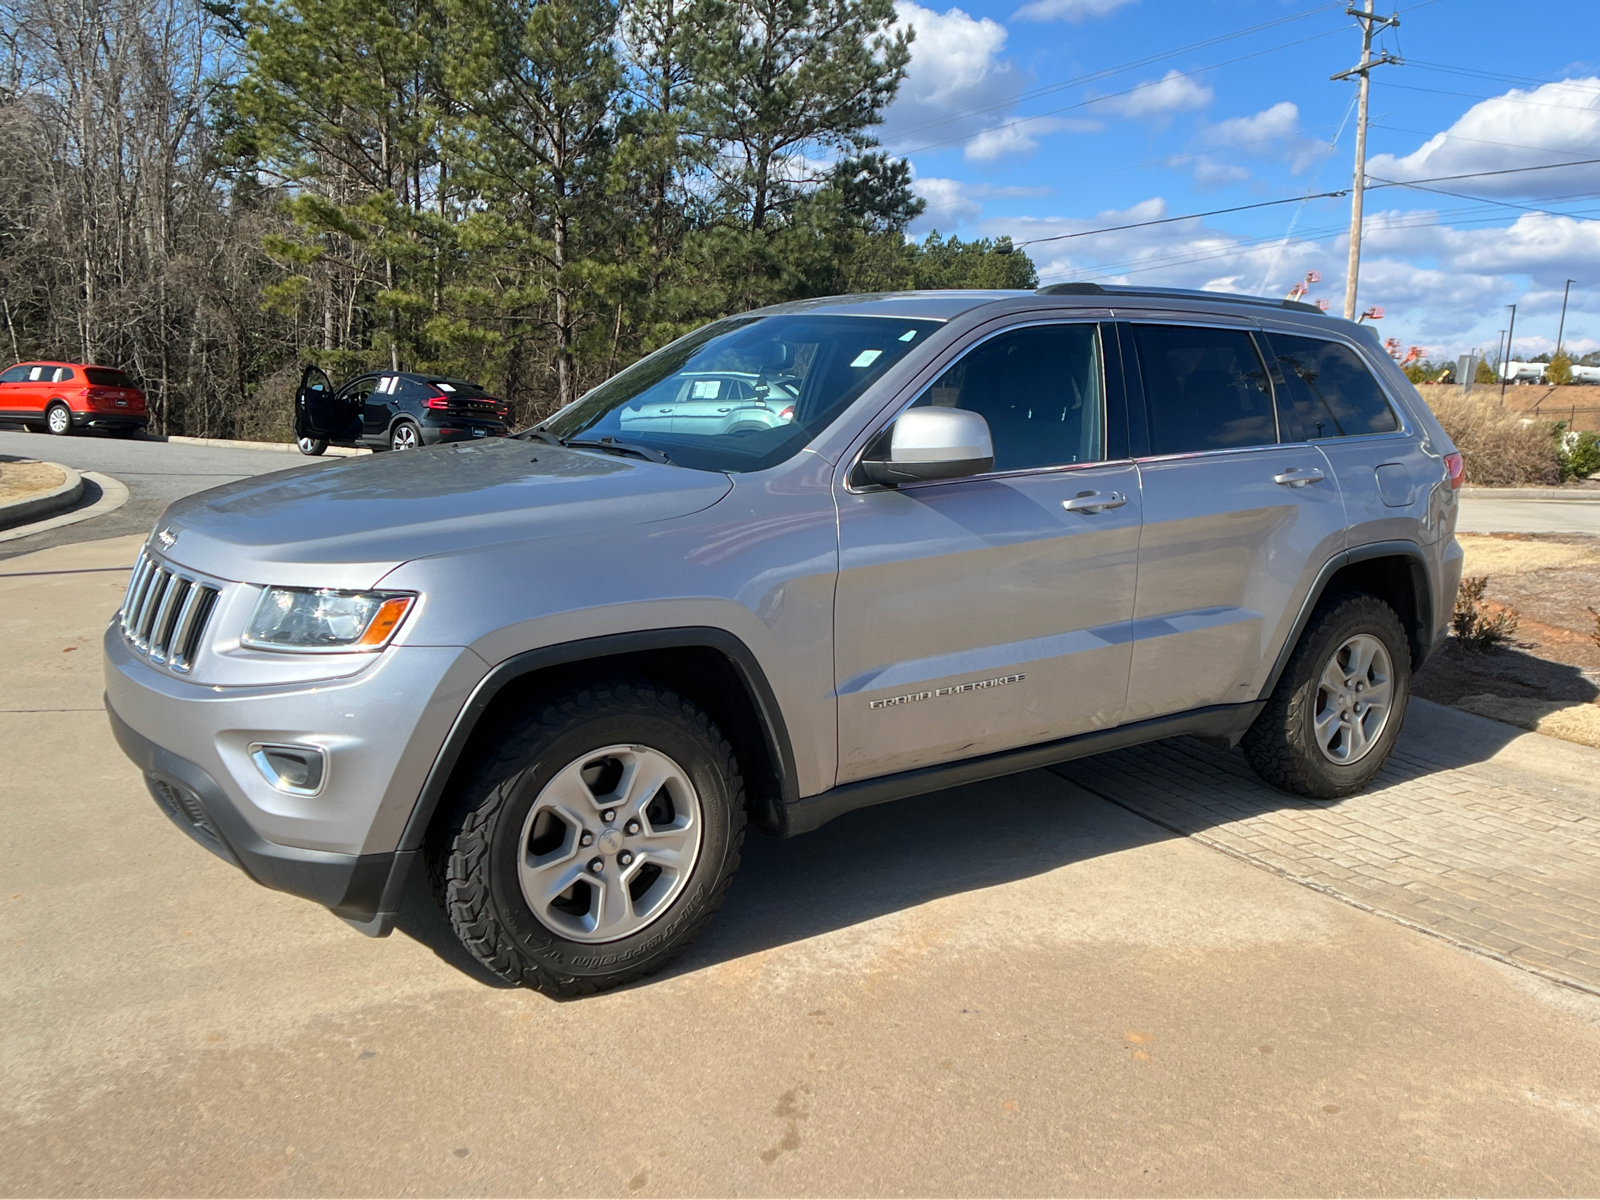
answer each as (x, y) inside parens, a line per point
(726, 402)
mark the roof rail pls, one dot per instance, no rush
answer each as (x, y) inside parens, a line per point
(1096, 289)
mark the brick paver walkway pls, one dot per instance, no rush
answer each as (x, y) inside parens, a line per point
(1499, 862)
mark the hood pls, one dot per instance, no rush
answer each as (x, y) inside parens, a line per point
(349, 523)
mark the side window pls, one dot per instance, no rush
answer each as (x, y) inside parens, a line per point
(63, 374)
(1039, 388)
(16, 374)
(36, 374)
(1326, 391)
(1205, 389)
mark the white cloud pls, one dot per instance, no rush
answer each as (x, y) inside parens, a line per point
(960, 88)
(956, 68)
(1173, 92)
(953, 204)
(1550, 124)
(1273, 133)
(1019, 137)
(949, 205)
(1068, 10)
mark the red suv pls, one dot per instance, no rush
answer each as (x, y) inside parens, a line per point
(62, 397)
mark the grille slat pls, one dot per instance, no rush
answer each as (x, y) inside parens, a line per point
(164, 613)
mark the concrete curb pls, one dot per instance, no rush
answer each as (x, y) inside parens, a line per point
(234, 444)
(1580, 495)
(113, 495)
(31, 508)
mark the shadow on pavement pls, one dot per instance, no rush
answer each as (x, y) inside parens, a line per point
(897, 856)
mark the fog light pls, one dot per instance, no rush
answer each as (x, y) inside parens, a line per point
(298, 770)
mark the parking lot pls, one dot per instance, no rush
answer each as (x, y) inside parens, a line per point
(1141, 973)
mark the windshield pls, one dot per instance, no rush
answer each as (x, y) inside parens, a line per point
(742, 394)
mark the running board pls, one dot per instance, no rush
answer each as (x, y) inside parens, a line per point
(1225, 721)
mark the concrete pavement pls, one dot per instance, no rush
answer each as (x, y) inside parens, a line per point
(1011, 988)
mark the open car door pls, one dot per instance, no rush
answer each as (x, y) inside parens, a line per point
(316, 419)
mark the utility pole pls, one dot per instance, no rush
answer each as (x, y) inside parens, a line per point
(1562, 328)
(1510, 333)
(1370, 23)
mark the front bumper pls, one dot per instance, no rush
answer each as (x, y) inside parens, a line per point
(364, 889)
(380, 731)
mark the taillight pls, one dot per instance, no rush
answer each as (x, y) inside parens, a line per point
(1457, 467)
(438, 401)
(787, 414)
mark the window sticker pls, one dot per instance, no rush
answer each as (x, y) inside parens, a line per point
(866, 358)
(908, 335)
(705, 389)
(444, 387)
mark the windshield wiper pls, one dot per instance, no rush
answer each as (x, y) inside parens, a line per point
(612, 446)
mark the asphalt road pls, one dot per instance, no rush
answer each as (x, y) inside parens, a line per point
(1481, 515)
(155, 473)
(1013, 988)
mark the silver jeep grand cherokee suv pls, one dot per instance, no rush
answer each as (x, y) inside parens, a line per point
(998, 530)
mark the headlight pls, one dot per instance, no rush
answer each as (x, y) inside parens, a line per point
(307, 619)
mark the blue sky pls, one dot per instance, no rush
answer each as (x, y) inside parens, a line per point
(1008, 134)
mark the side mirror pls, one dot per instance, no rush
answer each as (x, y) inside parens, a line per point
(931, 443)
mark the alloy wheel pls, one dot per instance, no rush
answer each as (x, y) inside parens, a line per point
(1355, 697)
(404, 437)
(58, 419)
(609, 843)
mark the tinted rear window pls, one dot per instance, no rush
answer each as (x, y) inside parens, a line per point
(101, 377)
(457, 389)
(1205, 389)
(1326, 391)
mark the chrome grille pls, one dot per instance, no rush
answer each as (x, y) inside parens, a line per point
(165, 612)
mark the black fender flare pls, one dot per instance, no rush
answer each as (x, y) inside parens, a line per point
(768, 714)
(1422, 588)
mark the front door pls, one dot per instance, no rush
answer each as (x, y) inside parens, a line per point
(981, 614)
(1236, 526)
(315, 414)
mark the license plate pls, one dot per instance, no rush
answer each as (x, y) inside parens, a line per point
(479, 432)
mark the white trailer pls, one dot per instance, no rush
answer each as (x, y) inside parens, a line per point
(1521, 372)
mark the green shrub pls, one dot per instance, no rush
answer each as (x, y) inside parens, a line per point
(1579, 453)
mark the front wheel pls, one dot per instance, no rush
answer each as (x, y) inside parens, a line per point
(58, 419)
(1334, 717)
(593, 840)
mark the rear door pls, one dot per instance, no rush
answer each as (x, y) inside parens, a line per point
(976, 615)
(1328, 395)
(377, 405)
(1236, 526)
(314, 410)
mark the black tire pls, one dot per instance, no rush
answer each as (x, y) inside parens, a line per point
(1281, 746)
(473, 852)
(310, 446)
(58, 419)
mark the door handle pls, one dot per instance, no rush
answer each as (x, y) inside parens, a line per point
(1298, 476)
(1093, 502)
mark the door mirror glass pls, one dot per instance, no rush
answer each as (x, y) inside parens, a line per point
(930, 443)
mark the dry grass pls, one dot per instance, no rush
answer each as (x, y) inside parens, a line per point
(1500, 450)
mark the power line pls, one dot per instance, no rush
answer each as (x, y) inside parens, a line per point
(1217, 212)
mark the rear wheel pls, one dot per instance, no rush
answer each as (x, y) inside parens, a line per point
(311, 446)
(1334, 717)
(405, 436)
(593, 841)
(58, 419)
